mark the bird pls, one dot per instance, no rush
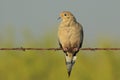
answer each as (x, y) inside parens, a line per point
(70, 38)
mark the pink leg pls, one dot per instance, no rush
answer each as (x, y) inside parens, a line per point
(65, 49)
(75, 49)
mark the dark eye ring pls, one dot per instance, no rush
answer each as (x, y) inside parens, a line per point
(65, 14)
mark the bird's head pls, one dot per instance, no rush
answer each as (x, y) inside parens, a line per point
(66, 16)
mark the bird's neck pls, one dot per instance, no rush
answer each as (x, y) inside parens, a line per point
(68, 23)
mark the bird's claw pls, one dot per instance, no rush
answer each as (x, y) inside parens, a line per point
(75, 49)
(65, 49)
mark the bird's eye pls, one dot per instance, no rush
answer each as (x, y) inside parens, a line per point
(65, 14)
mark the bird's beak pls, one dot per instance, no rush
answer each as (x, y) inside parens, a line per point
(58, 18)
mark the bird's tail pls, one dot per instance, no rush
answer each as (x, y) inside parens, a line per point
(70, 60)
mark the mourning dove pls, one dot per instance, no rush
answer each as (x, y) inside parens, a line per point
(70, 37)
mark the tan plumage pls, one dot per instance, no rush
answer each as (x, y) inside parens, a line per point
(70, 35)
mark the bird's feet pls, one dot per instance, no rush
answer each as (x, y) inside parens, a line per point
(75, 49)
(65, 49)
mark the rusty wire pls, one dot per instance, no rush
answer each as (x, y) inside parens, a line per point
(24, 49)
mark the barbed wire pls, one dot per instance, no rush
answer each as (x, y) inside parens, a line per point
(24, 49)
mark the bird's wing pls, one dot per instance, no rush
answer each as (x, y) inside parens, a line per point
(59, 43)
(61, 46)
(82, 35)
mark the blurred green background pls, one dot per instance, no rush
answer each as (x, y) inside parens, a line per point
(50, 65)
(33, 23)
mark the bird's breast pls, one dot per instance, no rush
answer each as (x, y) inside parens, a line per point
(67, 36)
